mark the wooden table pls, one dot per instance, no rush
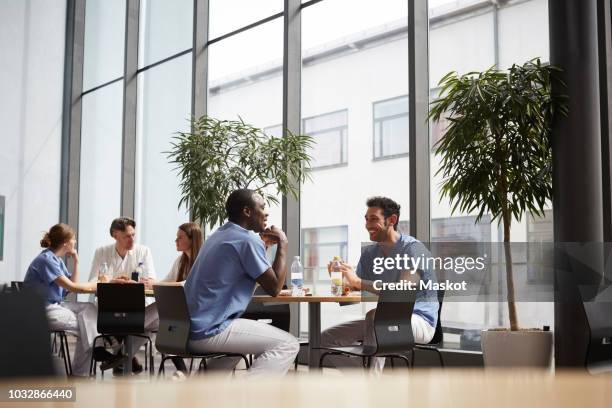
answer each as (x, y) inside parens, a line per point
(314, 316)
(402, 388)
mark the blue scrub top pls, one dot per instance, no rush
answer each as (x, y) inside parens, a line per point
(222, 280)
(42, 273)
(426, 304)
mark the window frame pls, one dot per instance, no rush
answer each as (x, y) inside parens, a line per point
(343, 138)
(378, 121)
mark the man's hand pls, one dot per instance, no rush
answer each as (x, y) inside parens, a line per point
(349, 274)
(273, 235)
(121, 279)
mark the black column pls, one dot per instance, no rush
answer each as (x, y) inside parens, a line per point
(577, 173)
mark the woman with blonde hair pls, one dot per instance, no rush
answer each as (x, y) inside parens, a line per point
(49, 276)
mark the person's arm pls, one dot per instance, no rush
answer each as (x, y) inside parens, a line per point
(273, 279)
(75, 273)
(69, 285)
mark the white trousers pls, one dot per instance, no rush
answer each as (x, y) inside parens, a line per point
(80, 319)
(274, 349)
(350, 333)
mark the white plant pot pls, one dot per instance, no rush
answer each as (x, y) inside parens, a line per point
(523, 348)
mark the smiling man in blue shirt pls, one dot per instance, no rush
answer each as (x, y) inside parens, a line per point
(381, 220)
(221, 284)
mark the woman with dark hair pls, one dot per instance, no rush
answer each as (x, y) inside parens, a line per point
(188, 241)
(49, 276)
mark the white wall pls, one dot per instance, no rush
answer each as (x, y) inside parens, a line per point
(32, 34)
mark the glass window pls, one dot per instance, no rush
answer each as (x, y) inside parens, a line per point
(354, 53)
(230, 15)
(319, 246)
(100, 178)
(274, 131)
(164, 107)
(104, 41)
(391, 127)
(166, 28)
(330, 134)
(463, 40)
(246, 83)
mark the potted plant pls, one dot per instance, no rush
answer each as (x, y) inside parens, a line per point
(496, 157)
(220, 156)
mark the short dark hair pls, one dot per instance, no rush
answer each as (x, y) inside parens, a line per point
(236, 202)
(121, 223)
(387, 205)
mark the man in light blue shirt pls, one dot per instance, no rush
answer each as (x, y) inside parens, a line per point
(381, 220)
(221, 284)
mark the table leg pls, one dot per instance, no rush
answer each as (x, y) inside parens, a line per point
(314, 334)
(127, 366)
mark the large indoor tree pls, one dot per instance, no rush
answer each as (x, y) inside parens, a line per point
(496, 153)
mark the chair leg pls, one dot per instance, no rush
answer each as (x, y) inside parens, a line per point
(68, 360)
(391, 360)
(151, 368)
(406, 359)
(412, 357)
(323, 355)
(62, 352)
(146, 346)
(161, 366)
(440, 357)
(246, 361)
(191, 366)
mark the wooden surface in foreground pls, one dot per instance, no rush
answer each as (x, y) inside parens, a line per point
(419, 388)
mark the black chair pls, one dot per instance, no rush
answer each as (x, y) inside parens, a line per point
(597, 302)
(25, 350)
(174, 327)
(62, 351)
(392, 328)
(121, 312)
(437, 340)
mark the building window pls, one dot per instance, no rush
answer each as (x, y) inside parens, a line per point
(330, 134)
(319, 246)
(391, 128)
(540, 250)
(274, 131)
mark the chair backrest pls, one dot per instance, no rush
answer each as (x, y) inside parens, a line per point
(121, 308)
(393, 321)
(16, 286)
(438, 336)
(280, 315)
(174, 322)
(598, 311)
(25, 350)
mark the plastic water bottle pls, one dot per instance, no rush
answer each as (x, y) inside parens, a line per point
(297, 277)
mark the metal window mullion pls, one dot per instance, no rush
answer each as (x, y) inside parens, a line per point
(418, 128)
(292, 69)
(71, 113)
(130, 91)
(199, 71)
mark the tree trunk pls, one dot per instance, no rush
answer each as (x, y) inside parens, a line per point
(509, 275)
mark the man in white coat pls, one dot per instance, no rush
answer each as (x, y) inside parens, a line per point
(122, 258)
